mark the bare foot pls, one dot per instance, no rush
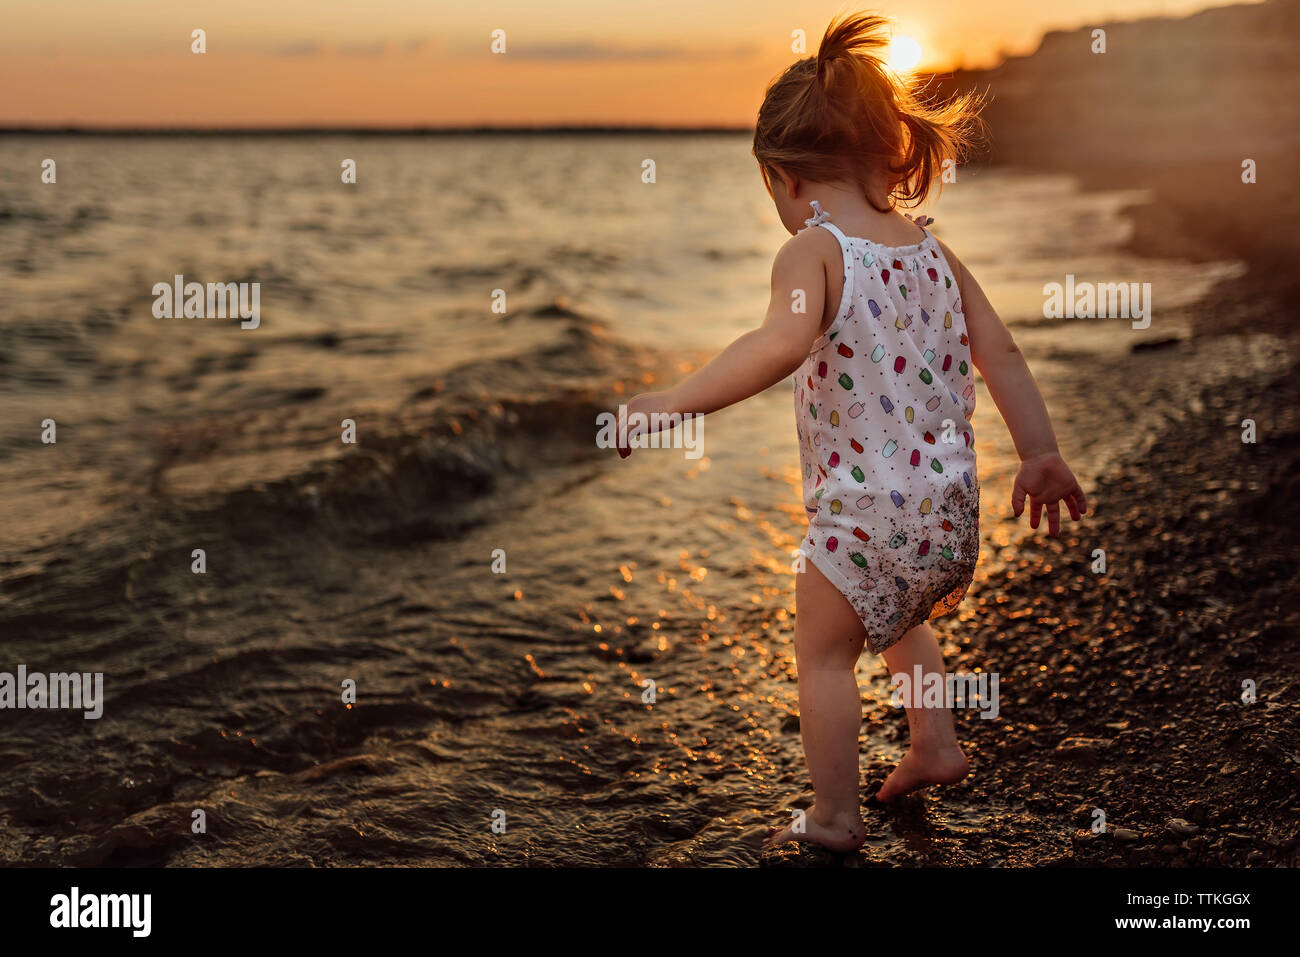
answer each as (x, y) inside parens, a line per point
(945, 765)
(847, 833)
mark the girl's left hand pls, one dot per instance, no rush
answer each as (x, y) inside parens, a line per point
(1047, 481)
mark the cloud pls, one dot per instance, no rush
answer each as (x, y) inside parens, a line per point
(305, 48)
(378, 48)
(360, 50)
(588, 52)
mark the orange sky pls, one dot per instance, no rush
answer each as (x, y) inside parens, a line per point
(428, 62)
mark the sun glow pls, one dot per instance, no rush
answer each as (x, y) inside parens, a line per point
(904, 54)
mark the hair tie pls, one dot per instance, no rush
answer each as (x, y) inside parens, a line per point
(819, 215)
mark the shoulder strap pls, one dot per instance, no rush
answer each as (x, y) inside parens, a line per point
(841, 312)
(835, 231)
(845, 252)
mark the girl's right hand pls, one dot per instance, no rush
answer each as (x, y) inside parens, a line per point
(647, 404)
(1047, 480)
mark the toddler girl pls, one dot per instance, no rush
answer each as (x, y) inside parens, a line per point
(882, 327)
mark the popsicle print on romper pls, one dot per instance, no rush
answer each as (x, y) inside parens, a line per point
(893, 508)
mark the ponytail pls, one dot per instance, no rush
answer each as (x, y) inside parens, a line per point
(843, 115)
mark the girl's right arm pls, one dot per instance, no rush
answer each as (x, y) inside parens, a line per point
(764, 356)
(1043, 477)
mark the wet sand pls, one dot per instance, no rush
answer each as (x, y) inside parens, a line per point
(1123, 690)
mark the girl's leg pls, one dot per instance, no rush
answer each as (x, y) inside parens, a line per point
(828, 639)
(934, 757)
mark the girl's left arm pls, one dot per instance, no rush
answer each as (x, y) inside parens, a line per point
(766, 355)
(1044, 478)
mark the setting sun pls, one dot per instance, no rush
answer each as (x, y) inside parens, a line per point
(904, 54)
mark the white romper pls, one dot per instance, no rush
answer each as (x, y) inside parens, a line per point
(882, 405)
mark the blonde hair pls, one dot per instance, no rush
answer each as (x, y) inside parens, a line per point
(843, 116)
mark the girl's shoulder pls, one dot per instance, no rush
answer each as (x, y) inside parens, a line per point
(815, 238)
(811, 244)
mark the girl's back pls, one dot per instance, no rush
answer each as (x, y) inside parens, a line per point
(883, 404)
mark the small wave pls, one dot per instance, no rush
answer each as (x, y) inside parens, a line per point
(18, 214)
(450, 445)
(583, 258)
(411, 487)
(558, 308)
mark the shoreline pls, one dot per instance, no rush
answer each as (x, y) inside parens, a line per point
(1142, 115)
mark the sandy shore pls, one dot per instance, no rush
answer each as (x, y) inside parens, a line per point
(1124, 689)
(1139, 707)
